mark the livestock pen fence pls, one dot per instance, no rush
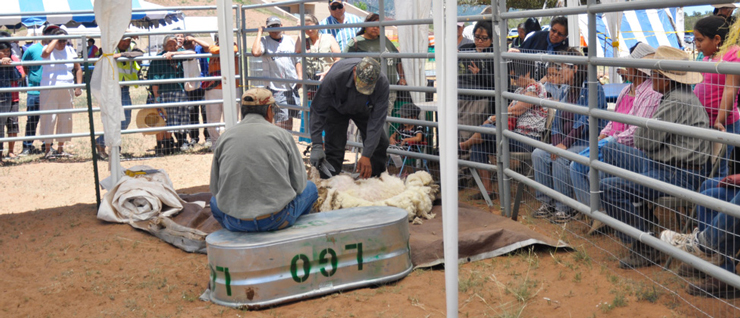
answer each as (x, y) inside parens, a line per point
(515, 179)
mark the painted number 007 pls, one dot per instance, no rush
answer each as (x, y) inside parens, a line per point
(306, 268)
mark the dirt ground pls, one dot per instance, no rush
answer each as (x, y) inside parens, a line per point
(57, 259)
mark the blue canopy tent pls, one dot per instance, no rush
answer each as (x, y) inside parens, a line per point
(655, 27)
(32, 13)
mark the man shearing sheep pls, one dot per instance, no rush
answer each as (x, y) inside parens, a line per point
(354, 89)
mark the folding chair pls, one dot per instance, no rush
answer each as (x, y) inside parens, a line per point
(411, 147)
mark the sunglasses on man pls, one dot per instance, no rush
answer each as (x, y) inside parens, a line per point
(337, 6)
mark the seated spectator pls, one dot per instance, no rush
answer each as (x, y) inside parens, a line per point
(637, 99)
(718, 92)
(476, 74)
(408, 133)
(281, 67)
(554, 40)
(265, 190)
(61, 74)
(570, 133)
(524, 119)
(674, 159)
(169, 68)
(9, 77)
(716, 240)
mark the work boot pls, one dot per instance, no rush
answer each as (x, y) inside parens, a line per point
(545, 211)
(711, 286)
(641, 255)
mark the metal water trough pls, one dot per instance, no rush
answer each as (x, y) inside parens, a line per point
(321, 254)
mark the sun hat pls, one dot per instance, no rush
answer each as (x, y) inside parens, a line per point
(273, 21)
(367, 73)
(150, 118)
(668, 53)
(257, 97)
(726, 5)
(642, 50)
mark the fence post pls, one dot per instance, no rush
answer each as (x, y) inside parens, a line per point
(226, 40)
(93, 145)
(593, 122)
(304, 98)
(501, 30)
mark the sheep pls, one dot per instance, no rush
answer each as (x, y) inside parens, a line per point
(415, 195)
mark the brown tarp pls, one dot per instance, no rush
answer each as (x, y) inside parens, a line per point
(482, 234)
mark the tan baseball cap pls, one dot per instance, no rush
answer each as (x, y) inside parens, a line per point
(257, 97)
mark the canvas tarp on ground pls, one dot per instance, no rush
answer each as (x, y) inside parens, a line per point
(482, 234)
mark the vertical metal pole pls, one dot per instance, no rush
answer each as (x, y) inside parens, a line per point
(593, 103)
(240, 43)
(381, 18)
(501, 81)
(304, 98)
(243, 48)
(226, 39)
(93, 144)
(445, 22)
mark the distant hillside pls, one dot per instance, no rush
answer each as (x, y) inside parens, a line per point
(690, 20)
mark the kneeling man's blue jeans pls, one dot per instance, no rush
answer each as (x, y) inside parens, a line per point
(301, 205)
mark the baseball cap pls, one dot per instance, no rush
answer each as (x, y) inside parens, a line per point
(333, 1)
(461, 24)
(367, 73)
(725, 5)
(257, 97)
(48, 29)
(273, 21)
(642, 50)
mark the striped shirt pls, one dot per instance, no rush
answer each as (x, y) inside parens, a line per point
(646, 102)
(342, 35)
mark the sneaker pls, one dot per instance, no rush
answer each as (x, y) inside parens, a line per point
(52, 154)
(25, 152)
(713, 287)
(185, 146)
(64, 154)
(207, 144)
(545, 211)
(560, 217)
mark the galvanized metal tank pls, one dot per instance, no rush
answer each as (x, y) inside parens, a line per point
(322, 253)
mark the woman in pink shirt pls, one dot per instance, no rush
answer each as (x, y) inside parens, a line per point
(718, 91)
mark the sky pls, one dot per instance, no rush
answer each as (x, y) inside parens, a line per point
(702, 9)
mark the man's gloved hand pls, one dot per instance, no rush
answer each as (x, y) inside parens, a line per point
(317, 155)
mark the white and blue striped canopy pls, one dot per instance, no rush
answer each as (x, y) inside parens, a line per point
(654, 27)
(38, 12)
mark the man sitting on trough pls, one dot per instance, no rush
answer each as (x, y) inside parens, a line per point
(258, 179)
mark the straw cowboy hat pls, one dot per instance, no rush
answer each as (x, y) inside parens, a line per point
(673, 54)
(726, 5)
(150, 118)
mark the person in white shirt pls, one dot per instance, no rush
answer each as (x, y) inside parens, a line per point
(61, 74)
(279, 67)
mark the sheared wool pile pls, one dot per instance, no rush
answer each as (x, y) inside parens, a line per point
(415, 195)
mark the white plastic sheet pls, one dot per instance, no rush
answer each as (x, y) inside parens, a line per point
(414, 39)
(113, 16)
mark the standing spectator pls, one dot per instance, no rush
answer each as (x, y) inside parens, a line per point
(316, 67)
(92, 50)
(169, 68)
(128, 70)
(521, 33)
(547, 41)
(570, 133)
(469, 31)
(9, 76)
(61, 74)
(338, 16)
(33, 53)
(674, 159)
(199, 47)
(461, 40)
(278, 67)
(368, 40)
(718, 92)
(725, 10)
(214, 91)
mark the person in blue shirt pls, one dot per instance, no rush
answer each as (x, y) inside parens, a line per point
(200, 47)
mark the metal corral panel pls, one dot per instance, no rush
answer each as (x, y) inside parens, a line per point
(322, 253)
